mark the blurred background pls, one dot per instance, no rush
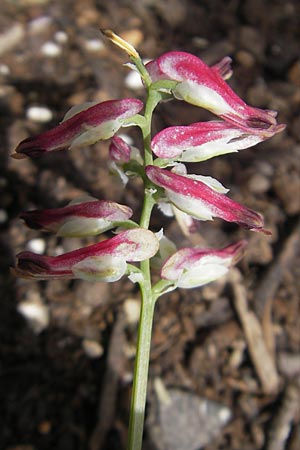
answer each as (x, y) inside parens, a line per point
(227, 357)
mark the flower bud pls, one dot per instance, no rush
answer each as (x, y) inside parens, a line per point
(199, 197)
(79, 128)
(84, 217)
(201, 141)
(104, 261)
(194, 267)
(203, 86)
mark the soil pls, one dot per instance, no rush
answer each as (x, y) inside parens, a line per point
(65, 376)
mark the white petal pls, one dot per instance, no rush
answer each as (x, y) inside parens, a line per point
(100, 268)
(80, 227)
(203, 96)
(200, 275)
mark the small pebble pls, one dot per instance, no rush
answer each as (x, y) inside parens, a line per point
(3, 216)
(39, 25)
(61, 37)
(92, 348)
(40, 114)
(132, 311)
(51, 49)
(259, 184)
(94, 45)
(4, 70)
(36, 313)
(37, 245)
(12, 37)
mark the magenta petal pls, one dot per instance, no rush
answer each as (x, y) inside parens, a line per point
(193, 197)
(111, 112)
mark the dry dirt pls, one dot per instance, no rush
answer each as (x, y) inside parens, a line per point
(66, 385)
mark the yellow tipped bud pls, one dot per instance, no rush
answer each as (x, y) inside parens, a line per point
(119, 42)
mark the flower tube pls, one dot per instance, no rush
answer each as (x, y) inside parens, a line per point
(201, 199)
(204, 86)
(79, 128)
(104, 261)
(201, 141)
(82, 217)
(194, 267)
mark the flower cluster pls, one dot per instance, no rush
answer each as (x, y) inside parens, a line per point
(173, 75)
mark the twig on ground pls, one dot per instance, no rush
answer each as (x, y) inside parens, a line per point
(260, 356)
(266, 290)
(107, 403)
(287, 414)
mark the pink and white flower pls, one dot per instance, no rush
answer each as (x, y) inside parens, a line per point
(119, 150)
(82, 217)
(83, 125)
(203, 198)
(104, 261)
(194, 267)
(201, 141)
(203, 86)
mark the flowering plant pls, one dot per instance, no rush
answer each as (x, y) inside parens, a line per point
(166, 183)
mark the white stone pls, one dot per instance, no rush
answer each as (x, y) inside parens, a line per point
(51, 49)
(132, 309)
(94, 45)
(4, 69)
(40, 114)
(36, 313)
(61, 37)
(92, 348)
(37, 245)
(3, 216)
(39, 25)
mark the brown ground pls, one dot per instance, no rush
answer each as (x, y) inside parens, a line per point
(205, 341)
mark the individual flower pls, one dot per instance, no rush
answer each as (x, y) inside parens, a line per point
(121, 153)
(119, 150)
(203, 86)
(194, 267)
(203, 198)
(82, 126)
(201, 141)
(86, 216)
(104, 261)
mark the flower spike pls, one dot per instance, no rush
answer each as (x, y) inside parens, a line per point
(202, 200)
(93, 123)
(204, 86)
(104, 261)
(194, 267)
(84, 217)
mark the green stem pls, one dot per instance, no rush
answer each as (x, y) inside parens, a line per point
(139, 392)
